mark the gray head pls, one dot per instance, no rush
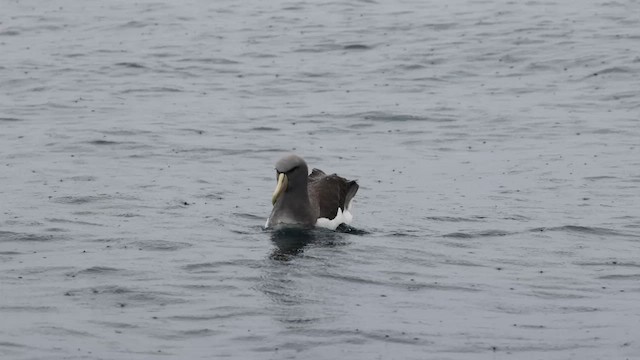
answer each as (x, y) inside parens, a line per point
(290, 163)
(292, 172)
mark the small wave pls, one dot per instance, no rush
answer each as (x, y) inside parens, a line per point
(156, 89)
(613, 70)
(265, 128)
(621, 95)
(11, 236)
(193, 131)
(354, 279)
(10, 119)
(620, 277)
(470, 235)
(225, 313)
(215, 61)
(9, 32)
(529, 326)
(596, 178)
(383, 116)
(460, 262)
(308, 320)
(40, 270)
(579, 309)
(248, 216)
(438, 286)
(393, 337)
(403, 234)
(214, 267)
(95, 270)
(125, 132)
(225, 151)
(103, 142)
(60, 331)
(82, 178)
(516, 217)
(117, 325)
(453, 219)
(77, 222)
(160, 245)
(320, 48)
(360, 125)
(609, 263)
(206, 288)
(581, 229)
(128, 215)
(132, 65)
(11, 344)
(133, 25)
(258, 55)
(394, 117)
(357, 47)
(543, 294)
(199, 333)
(214, 196)
(110, 289)
(123, 296)
(317, 74)
(79, 200)
(412, 67)
(27, 308)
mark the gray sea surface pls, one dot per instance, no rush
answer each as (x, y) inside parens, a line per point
(496, 144)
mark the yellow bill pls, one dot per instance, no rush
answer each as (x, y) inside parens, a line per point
(280, 188)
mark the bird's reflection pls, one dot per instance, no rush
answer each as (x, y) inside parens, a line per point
(286, 276)
(291, 242)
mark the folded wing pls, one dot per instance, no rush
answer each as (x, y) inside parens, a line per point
(330, 192)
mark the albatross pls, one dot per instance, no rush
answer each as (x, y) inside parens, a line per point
(306, 200)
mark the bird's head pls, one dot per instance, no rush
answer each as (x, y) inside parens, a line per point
(291, 173)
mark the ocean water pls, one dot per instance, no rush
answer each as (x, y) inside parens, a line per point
(496, 144)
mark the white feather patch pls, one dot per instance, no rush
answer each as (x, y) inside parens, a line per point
(347, 213)
(341, 217)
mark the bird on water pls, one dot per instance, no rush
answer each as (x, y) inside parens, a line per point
(307, 200)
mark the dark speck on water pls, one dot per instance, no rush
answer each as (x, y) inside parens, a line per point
(495, 145)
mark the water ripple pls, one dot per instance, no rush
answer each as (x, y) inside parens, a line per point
(477, 234)
(582, 229)
(12, 236)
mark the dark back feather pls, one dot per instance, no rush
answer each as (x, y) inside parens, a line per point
(329, 192)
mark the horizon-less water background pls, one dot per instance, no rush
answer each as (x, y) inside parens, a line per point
(496, 146)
